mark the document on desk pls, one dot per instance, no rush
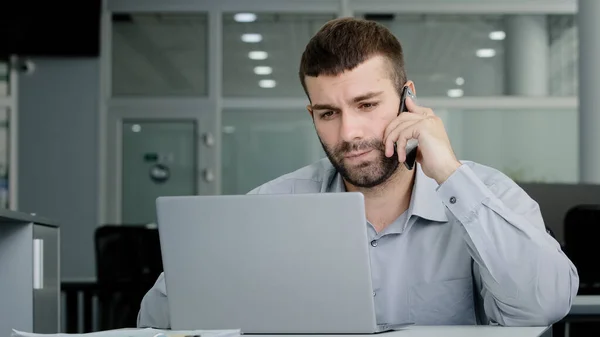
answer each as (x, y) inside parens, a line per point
(139, 333)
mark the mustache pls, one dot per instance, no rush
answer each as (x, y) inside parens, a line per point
(363, 145)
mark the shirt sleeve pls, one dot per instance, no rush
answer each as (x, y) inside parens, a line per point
(154, 309)
(526, 278)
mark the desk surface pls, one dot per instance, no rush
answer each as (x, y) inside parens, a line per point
(458, 331)
(12, 217)
(586, 305)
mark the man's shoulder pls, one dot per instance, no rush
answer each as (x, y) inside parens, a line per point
(310, 179)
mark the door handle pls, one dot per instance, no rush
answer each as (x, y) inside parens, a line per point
(38, 264)
(209, 176)
(209, 140)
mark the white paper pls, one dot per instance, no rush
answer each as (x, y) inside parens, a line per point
(138, 333)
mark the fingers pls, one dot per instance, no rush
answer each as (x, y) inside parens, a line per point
(399, 120)
(395, 136)
(413, 107)
(405, 127)
(406, 134)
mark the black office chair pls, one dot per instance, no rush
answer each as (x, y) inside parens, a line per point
(582, 232)
(128, 261)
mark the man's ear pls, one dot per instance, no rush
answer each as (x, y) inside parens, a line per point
(310, 111)
(411, 86)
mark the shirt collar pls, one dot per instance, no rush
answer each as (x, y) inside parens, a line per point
(424, 201)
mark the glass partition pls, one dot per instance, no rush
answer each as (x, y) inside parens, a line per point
(260, 145)
(261, 54)
(528, 145)
(159, 54)
(460, 55)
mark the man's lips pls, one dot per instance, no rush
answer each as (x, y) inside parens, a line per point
(356, 154)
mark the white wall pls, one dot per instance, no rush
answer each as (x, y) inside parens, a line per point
(58, 157)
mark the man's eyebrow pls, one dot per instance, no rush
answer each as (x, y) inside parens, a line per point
(366, 96)
(324, 107)
(356, 99)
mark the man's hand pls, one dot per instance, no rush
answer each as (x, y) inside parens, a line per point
(434, 153)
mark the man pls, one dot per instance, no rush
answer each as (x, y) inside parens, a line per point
(452, 242)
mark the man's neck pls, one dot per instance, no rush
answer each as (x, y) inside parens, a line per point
(385, 203)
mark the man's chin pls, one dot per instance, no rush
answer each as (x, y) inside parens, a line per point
(364, 177)
(367, 175)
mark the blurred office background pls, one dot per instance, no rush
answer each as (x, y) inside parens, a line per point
(202, 97)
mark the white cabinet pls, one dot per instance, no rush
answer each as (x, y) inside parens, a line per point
(30, 274)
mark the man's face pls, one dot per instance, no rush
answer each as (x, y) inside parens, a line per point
(350, 113)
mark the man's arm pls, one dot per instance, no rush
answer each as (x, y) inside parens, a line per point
(154, 309)
(526, 278)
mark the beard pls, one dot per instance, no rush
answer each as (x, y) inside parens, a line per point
(366, 174)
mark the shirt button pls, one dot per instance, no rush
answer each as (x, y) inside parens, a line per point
(374, 243)
(453, 200)
(374, 294)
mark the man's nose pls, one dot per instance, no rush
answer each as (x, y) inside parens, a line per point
(352, 127)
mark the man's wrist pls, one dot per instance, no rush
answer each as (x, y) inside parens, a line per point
(446, 171)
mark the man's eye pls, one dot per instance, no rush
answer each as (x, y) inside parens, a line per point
(368, 106)
(327, 114)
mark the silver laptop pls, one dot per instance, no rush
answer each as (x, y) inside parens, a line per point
(268, 263)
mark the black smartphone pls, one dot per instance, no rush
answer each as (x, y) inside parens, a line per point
(411, 145)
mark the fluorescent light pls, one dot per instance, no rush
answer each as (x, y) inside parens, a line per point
(454, 93)
(486, 52)
(267, 83)
(263, 70)
(258, 55)
(136, 128)
(460, 81)
(497, 35)
(251, 38)
(245, 17)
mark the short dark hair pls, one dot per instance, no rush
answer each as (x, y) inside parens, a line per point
(344, 43)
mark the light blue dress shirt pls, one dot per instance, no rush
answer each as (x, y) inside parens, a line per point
(473, 250)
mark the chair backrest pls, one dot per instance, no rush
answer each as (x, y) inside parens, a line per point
(582, 234)
(128, 262)
(127, 253)
(555, 200)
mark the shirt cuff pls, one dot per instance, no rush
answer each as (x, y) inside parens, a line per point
(463, 194)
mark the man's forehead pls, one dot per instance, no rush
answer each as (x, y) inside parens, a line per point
(331, 91)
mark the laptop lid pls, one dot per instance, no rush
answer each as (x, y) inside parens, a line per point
(267, 263)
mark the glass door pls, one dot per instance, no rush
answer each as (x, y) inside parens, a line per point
(157, 150)
(158, 159)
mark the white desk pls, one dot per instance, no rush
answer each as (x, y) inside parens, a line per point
(586, 305)
(457, 331)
